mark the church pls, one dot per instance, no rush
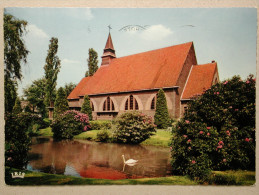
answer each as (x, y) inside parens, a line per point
(132, 82)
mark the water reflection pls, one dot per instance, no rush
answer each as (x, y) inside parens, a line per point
(98, 160)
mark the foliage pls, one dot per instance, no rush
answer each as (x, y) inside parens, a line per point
(18, 127)
(69, 124)
(86, 107)
(161, 138)
(52, 68)
(69, 88)
(17, 106)
(61, 103)
(162, 119)
(217, 131)
(103, 135)
(133, 128)
(92, 62)
(15, 51)
(101, 125)
(35, 94)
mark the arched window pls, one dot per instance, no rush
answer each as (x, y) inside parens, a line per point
(153, 103)
(131, 103)
(108, 104)
(92, 105)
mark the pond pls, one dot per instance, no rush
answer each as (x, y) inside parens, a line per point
(97, 160)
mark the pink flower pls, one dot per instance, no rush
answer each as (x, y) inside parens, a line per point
(236, 109)
(189, 140)
(189, 148)
(224, 160)
(247, 81)
(85, 128)
(185, 136)
(208, 134)
(171, 148)
(254, 79)
(230, 107)
(225, 83)
(247, 139)
(208, 128)
(201, 132)
(220, 143)
(220, 146)
(228, 133)
(187, 121)
(193, 161)
(217, 93)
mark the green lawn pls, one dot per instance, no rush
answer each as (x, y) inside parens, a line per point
(37, 178)
(161, 138)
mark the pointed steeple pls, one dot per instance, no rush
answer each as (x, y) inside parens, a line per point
(108, 52)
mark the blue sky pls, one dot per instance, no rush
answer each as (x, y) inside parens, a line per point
(226, 35)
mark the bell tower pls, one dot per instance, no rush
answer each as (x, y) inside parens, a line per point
(108, 52)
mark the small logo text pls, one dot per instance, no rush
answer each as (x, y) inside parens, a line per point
(18, 175)
(133, 28)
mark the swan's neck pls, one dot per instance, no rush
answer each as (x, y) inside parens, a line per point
(123, 158)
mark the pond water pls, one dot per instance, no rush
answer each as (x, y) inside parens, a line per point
(97, 160)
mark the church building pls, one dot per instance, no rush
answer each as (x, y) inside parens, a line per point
(132, 82)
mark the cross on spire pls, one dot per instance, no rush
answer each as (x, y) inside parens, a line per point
(109, 28)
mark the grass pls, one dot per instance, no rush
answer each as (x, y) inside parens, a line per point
(161, 138)
(37, 178)
(45, 132)
(89, 135)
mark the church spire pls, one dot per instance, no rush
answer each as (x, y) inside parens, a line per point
(108, 52)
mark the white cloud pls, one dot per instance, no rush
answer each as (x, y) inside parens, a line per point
(67, 61)
(156, 32)
(34, 31)
(88, 14)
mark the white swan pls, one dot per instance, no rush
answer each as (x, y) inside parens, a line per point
(130, 161)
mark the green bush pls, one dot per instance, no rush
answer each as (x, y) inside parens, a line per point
(103, 135)
(86, 107)
(69, 124)
(217, 131)
(133, 128)
(101, 125)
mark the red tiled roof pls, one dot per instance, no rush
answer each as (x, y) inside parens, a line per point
(148, 70)
(78, 88)
(200, 79)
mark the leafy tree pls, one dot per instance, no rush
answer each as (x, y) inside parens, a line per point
(61, 103)
(17, 107)
(217, 131)
(92, 62)
(15, 53)
(52, 68)
(35, 94)
(69, 88)
(162, 119)
(86, 107)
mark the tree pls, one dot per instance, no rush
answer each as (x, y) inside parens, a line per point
(15, 53)
(61, 103)
(92, 62)
(217, 131)
(162, 119)
(69, 88)
(52, 68)
(86, 107)
(17, 106)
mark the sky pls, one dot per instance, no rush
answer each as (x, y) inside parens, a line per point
(226, 35)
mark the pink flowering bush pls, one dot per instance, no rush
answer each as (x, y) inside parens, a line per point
(133, 128)
(218, 130)
(69, 124)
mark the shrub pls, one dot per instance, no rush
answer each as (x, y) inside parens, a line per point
(100, 125)
(217, 131)
(162, 119)
(133, 127)
(86, 107)
(68, 124)
(103, 135)
(17, 140)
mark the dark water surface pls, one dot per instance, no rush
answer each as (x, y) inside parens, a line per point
(97, 160)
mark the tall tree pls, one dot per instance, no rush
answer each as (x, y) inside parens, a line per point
(15, 53)
(162, 119)
(35, 94)
(61, 103)
(92, 62)
(52, 68)
(69, 88)
(86, 107)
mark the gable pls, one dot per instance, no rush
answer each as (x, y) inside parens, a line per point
(200, 79)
